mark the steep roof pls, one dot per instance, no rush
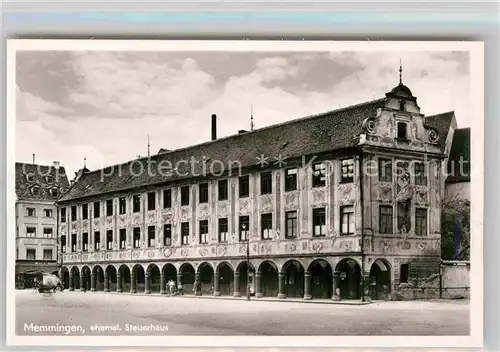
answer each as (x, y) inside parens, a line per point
(333, 130)
(459, 155)
(29, 177)
(441, 122)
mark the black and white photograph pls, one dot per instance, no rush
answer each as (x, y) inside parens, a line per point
(251, 192)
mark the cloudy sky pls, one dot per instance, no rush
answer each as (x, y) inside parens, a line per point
(103, 105)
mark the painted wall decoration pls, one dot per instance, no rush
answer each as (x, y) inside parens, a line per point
(403, 198)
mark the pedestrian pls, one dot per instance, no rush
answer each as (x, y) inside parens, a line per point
(180, 290)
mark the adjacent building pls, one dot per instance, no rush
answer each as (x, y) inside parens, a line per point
(339, 205)
(37, 189)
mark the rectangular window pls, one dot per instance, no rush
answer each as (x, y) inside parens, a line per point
(167, 234)
(403, 274)
(266, 182)
(151, 201)
(421, 222)
(97, 210)
(319, 175)
(386, 219)
(63, 215)
(244, 227)
(244, 186)
(109, 240)
(267, 226)
(167, 198)
(109, 207)
(47, 232)
(47, 213)
(347, 170)
(137, 237)
(184, 195)
(151, 236)
(85, 211)
(47, 254)
(73, 213)
(31, 232)
(203, 231)
(385, 170)
(402, 130)
(123, 238)
(63, 243)
(185, 233)
(97, 241)
(222, 190)
(291, 224)
(136, 203)
(203, 195)
(30, 254)
(122, 205)
(30, 212)
(85, 241)
(319, 222)
(347, 220)
(223, 230)
(420, 174)
(290, 179)
(73, 242)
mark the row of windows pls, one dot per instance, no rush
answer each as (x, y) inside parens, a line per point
(35, 190)
(47, 232)
(266, 187)
(386, 220)
(31, 178)
(385, 172)
(31, 212)
(31, 254)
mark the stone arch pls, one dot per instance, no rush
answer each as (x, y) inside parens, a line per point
(74, 283)
(124, 282)
(350, 278)
(187, 276)
(65, 277)
(205, 275)
(85, 278)
(110, 279)
(170, 272)
(246, 278)
(138, 280)
(98, 273)
(268, 278)
(293, 272)
(321, 279)
(380, 279)
(153, 274)
(226, 278)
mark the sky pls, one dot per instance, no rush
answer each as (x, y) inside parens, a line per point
(102, 105)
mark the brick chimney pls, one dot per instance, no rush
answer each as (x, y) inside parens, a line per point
(214, 127)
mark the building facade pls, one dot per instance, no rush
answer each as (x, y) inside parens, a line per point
(340, 205)
(37, 188)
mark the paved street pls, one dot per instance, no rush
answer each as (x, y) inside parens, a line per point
(101, 313)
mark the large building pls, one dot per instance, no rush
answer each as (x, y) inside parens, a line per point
(37, 189)
(339, 205)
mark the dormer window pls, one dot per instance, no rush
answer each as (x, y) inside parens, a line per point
(402, 105)
(402, 130)
(49, 179)
(35, 190)
(54, 192)
(30, 177)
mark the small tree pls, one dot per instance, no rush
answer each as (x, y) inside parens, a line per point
(455, 229)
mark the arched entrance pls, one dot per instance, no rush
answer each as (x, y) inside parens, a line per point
(350, 279)
(85, 278)
(269, 279)
(380, 280)
(75, 275)
(206, 277)
(321, 279)
(124, 281)
(170, 273)
(154, 278)
(294, 279)
(140, 278)
(246, 278)
(99, 278)
(226, 279)
(65, 277)
(187, 275)
(112, 279)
